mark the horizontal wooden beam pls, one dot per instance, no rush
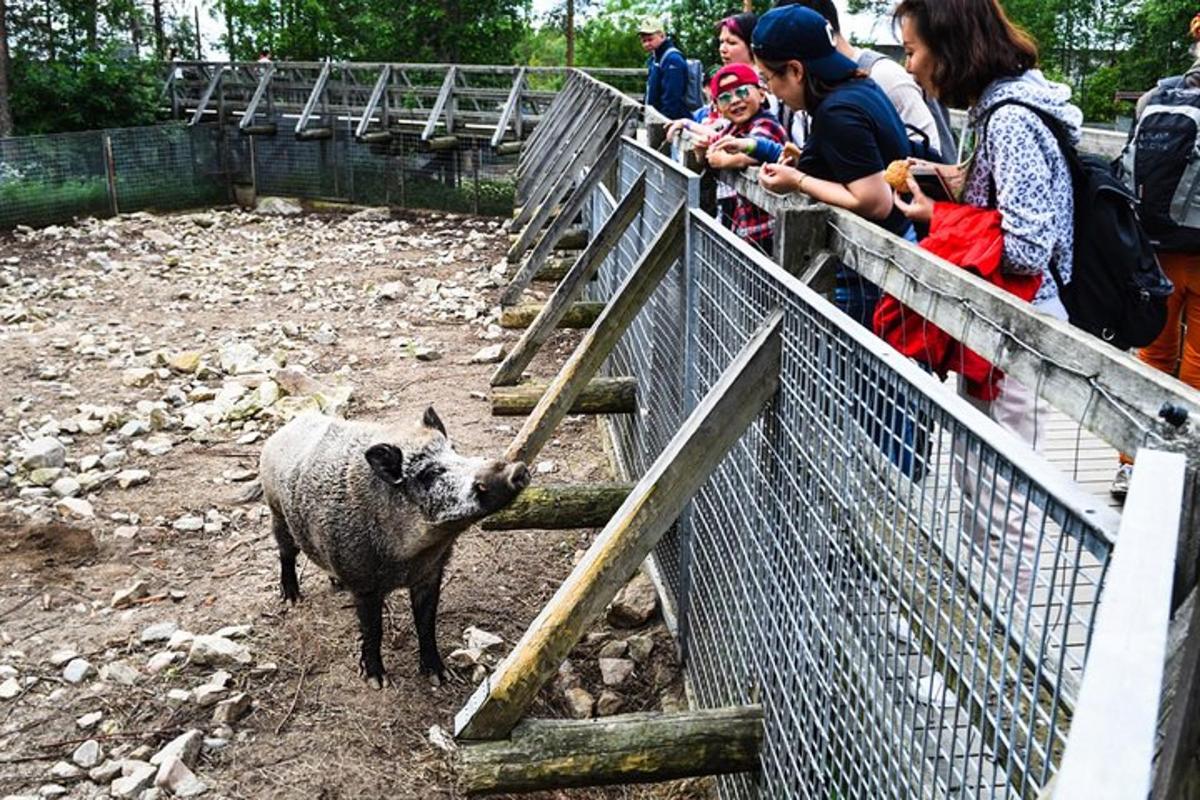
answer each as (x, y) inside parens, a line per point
(600, 396)
(628, 748)
(685, 463)
(578, 315)
(555, 508)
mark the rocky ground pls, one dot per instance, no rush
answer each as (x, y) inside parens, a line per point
(144, 651)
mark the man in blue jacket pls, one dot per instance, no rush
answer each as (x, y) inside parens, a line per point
(666, 84)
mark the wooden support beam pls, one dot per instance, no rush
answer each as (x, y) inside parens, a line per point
(377, 93)
(509, 148)
(510, 105)
(554, 508)
(440, 104)
(580, 315)
(1177, 773)
(603, 336)
(436, 143)
(314, 134)
(718, 421)
(318, 91)
(213, 83)
(600, 396)
(572, 286)
(1111, 747)
(247, 120)
(628, 748)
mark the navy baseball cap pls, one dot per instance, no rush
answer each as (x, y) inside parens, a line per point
(796, 33)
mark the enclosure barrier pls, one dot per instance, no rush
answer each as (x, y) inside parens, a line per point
(909, 593)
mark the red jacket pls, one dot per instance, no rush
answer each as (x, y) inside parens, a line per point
(971, 238)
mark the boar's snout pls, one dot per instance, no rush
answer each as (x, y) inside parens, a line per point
(498, 483)
(518, 475)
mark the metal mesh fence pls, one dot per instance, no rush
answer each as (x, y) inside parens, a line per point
(908, 591)
(54, 178)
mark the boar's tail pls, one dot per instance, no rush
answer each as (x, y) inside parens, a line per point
(252, 492)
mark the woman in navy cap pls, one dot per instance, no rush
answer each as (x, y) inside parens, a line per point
(855, 133)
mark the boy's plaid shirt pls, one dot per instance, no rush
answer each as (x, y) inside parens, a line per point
(749, 221)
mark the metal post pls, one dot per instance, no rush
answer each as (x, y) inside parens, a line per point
(110, 171)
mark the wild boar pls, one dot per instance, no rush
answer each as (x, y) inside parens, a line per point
(378, 506)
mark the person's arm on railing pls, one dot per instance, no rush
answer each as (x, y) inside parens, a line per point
(869, 196)
(761, 150)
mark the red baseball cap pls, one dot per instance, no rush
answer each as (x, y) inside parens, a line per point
(745, 74)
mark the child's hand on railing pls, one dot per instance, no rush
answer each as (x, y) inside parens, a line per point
(733, 145)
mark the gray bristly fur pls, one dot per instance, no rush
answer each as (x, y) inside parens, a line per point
(382, 524)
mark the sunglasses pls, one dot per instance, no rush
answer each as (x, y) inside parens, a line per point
(741, 93)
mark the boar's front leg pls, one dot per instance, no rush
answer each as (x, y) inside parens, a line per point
(370, 625)
(424, 596)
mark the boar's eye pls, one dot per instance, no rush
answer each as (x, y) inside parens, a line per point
(429, 475)
(481, 488)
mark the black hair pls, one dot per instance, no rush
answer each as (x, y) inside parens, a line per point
(742, 25)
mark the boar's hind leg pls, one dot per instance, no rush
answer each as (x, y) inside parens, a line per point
(288, 582)
(370, 625)
(424, 597)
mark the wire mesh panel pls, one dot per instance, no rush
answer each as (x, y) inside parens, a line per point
(45, 179)
(167, 167)
(907, 590)
(652, 350)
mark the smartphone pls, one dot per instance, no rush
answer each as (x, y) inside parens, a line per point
(931, 182)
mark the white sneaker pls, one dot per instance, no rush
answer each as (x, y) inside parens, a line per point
(1120, 482)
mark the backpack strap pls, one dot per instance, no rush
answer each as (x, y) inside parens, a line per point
(1074, 165)
(868, 58)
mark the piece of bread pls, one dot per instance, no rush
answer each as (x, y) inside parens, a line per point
(791, 154)
(896, 175)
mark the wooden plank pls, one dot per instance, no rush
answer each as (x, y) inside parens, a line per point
(596, 157)
(377, 93)
(1111, 746)
(1178, 769)
(599, 341)
(259, 92)
(600, 396)
(576, 280)
(566, 113)
(552, 508)
(214, 81)
(510, 105)
(628, 748)
(582, 314)
(561, 166)
(718, 421)
(439, 104)
(314, 96)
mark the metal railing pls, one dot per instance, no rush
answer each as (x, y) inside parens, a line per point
(909, 591)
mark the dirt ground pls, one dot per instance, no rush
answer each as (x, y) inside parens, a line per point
(146, 347)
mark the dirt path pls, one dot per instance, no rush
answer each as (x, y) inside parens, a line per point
(145, 353)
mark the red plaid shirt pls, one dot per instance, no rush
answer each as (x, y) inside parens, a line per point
(749, 221)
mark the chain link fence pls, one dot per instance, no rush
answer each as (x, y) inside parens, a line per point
(58, 177)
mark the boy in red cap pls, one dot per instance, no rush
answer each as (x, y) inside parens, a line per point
(737, 92)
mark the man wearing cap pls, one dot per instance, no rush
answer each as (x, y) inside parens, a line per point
(666, 83)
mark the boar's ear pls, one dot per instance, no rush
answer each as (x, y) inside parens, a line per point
(387, 462)
(433, 421)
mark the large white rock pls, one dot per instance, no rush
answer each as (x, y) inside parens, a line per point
(78, 670)
(89, 754)
(159, 631)
(185, 747)
(174, 776)
(136, 775)
(44, 452)
(218, 651)
(9, 689)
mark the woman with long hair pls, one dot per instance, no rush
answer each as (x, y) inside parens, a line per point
(967, 53)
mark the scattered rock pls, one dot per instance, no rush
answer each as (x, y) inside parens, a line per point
(609, 703)
(218, 651)
(579, 703)
(231, 710)
(188, 524)
(136, 775)
(159, 632)
(492, 354)
(65, 487)
(481, 640)
(186, 362)
(120, 672)
(74, 507)
(160, 661)
(132, 477)
(615, 671)
(45, 452)
(235, 631)
(635, 604)
(137, 377)
(125, 597)
(185, 747)
(106, 772)
(89, 720)
(88, 755)
(614, 649)
(78, 670)
(278, 206)
(10, 688)
(174, 776)
(640, 647)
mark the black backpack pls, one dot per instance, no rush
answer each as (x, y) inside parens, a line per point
(1161, 166)
(1118, 291)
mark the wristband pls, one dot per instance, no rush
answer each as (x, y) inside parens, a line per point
(800, 183)
(750, 147)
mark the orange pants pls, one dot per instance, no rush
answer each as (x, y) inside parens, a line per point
(1176, 351)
